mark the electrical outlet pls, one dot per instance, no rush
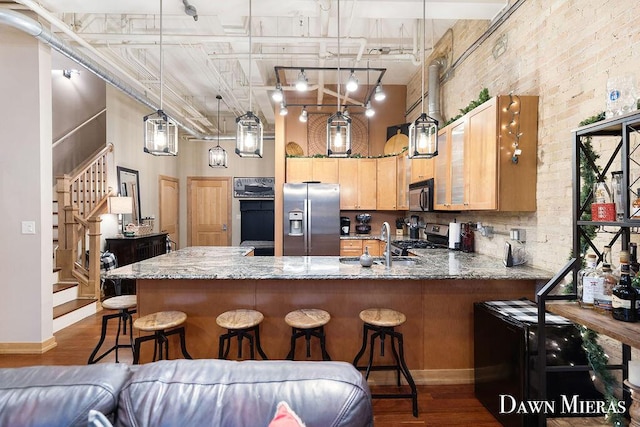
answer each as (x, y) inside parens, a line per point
(28, 227)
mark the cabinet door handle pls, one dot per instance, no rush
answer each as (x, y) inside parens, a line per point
(224, 227)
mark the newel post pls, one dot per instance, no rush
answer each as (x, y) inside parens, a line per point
(93, 286)
(67, 252)
(63, 192)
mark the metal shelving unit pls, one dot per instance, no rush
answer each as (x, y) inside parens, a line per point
(624, 155)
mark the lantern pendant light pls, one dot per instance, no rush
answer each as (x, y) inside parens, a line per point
(249, 128)
(423, 133)
(160, 133)
(217, 156)
(339, 124)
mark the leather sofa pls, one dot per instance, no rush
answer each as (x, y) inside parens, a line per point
(181, 393)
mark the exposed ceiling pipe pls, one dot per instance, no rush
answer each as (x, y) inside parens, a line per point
(34, 28)
(434, 89)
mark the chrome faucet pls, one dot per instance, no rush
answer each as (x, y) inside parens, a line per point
(385, 236)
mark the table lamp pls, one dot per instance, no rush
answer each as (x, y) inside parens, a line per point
(121, 205)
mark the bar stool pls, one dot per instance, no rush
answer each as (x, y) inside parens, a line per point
(307, 322)
(125, 305)
(381, 322)
(158, 323)
(241, 323)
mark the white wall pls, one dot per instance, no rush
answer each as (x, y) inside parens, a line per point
(26, 260)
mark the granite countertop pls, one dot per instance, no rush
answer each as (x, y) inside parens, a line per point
(210, 262)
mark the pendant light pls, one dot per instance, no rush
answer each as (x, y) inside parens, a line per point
(160, 133)
(423, 133)
(217, 156)
(339, 125)
(249, 128)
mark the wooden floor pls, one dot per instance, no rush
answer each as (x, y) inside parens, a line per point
(452, 406)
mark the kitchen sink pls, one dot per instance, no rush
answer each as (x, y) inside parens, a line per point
(399, 261)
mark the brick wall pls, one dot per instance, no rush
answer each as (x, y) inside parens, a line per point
(564, 52)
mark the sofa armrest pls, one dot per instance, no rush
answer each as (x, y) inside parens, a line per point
(59, 395)
(235, 394)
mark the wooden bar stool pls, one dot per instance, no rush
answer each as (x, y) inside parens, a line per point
(382, 322)
(125, 305)
(241, 323)
(158, 323)
(307, 323)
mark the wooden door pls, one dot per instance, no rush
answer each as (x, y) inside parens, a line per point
(386, 184)
(482, 158)
(367, 184)
(169, 201)
(348, 180)
(208, 211)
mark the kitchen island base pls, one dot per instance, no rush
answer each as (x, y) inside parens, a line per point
(439, 315)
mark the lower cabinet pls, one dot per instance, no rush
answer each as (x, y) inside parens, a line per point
(355, 247)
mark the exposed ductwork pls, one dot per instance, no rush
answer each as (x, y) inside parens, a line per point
(34, 28)
(434, 89)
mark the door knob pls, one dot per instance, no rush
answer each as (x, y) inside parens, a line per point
(224, 227)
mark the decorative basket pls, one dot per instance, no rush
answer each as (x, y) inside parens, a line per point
(139, 230)
(603, 212)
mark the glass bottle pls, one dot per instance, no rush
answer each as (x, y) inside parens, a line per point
(635, 206)
(602, 301)
(601, 193)
(616, 188)
(624, 296)
(590, 282)
(633, 259)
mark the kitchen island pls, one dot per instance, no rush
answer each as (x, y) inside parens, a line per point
(436, 294)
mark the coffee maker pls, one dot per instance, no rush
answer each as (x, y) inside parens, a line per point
(414, 227)
(345, 225)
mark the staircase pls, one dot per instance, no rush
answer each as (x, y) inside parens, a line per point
(81, 197)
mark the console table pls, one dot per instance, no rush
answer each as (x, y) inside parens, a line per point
(137, 248)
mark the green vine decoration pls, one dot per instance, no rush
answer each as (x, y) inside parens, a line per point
(482, 98)
(598, 360)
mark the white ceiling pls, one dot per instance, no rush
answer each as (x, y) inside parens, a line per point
(210, 56)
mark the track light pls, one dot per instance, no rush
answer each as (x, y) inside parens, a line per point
(379, 95)
(277, 95)
(369, 112)
(283, 109)
(302, 83)
(190, 10)
(352, 83)
(304, 115)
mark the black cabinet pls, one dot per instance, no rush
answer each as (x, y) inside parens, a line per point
(133, 249)
(505, 360)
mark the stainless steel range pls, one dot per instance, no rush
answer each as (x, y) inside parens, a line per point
(436, 237)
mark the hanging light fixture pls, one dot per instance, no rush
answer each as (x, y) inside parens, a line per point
(368, 111)
(352, 82)
(249, 130)
(339, 125)
(283, 109)
(304, 115)
(217, 156)
(277, 94)
(423, 133)
(302, 83)
(160, 133)
(379, 94)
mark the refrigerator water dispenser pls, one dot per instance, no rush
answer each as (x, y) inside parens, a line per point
(295, 223)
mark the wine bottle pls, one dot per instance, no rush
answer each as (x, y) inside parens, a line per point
(624, 296)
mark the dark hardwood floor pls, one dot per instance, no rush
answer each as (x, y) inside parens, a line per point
(451, 405)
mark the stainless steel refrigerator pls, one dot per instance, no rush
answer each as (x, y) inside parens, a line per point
(311, 219)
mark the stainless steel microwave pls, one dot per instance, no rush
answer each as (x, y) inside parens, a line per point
(421, 196)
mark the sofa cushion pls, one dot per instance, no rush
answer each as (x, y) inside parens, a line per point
(59, 395)
(235, 394)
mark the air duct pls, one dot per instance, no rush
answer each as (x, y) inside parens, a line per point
(34, 28)
(434, 89)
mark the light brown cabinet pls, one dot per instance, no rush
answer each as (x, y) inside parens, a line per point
(421, 169)
(474, 168)
(355, 247)
(393, 183)
(358, 184)
(301, 169)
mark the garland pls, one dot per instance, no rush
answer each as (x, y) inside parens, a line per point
(482, 98)
(596, 356)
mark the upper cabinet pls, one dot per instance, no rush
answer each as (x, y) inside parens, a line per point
(421, 169)
(393, 185)
(475, 167)
(301, 169)
(358, 183)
